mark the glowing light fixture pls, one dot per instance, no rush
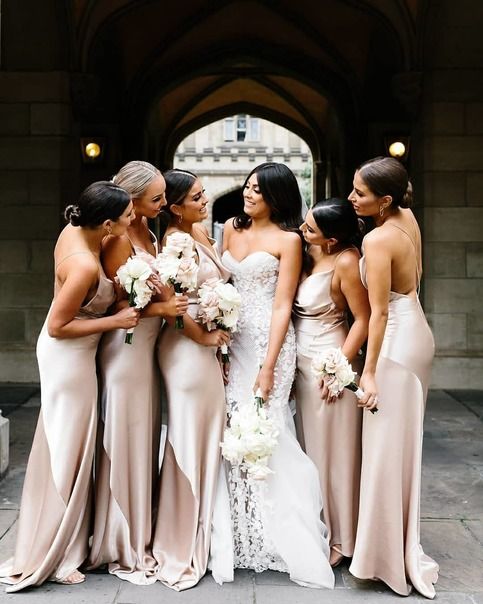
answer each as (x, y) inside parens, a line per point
(397, 149)
(92, 149)
(397, 146)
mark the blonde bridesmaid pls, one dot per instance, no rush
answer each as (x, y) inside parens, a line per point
(395, 379)
(329, 428)
(196, 406)
(127, 464)
(53, 528)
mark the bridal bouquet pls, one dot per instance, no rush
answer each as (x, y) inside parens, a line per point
(133, 277)
(333, 364)
(250, 439)
(176, 266)
(219, 305)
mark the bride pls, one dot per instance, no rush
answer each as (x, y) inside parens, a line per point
(274, 523)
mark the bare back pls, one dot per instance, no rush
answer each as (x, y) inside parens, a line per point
(400, 238)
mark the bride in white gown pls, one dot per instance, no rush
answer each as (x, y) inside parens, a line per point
(273, 523)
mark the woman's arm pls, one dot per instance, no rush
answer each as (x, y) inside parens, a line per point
(80, 277)
(355, 293)
(288, 278)
(378, 273)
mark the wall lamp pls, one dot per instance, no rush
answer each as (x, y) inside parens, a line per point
(397, 146)
(92, 149)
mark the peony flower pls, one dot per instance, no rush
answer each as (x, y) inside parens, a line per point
(219, 304)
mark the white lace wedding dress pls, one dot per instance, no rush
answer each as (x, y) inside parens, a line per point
(274, 523)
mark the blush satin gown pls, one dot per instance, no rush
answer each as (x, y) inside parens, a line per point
(54, 522)
(192, 455)
(388, 536)
(329, 434)
(128, 448)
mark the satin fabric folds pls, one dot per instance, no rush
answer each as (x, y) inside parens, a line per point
(388, 534)
(196, 420)
(53, 527)
(127, 452)
(330, 434)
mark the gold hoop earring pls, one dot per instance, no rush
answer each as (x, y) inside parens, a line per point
(381, 211)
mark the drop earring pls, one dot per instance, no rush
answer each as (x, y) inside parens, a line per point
(180, 218)
(381, 211)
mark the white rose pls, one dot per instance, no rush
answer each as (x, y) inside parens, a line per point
(167, 267)
(179, 244)
(344, 375)
(333, 359)
(229, 320)
(229, 296)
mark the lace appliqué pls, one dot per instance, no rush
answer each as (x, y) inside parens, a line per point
(256, 280)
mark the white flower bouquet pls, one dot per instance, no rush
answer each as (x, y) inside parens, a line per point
(333, 364)
(250, 439)
(219, 307)
(133, 277)
(176, 266)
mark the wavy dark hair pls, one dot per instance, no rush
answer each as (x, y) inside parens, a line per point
(280, 190)
(178, 185)
(100, 201)
(387, 176)
(336, 217)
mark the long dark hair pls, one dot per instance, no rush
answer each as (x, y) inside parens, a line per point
(387, 176)
(100, 201)
(281, 192)
(336, 218)
(178, 185)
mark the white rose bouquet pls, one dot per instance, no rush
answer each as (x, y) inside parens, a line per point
(250, 439)
(333, 364)
(133, 277)
(219, 307)
(176, 266)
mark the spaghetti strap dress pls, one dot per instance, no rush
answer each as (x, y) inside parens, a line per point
(388, 534)
(128, 447)
(54, 522)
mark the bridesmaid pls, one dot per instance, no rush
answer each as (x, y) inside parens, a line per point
(330, 430)
(395, 378)
(53, 527)
(196, 406)
(127, 464)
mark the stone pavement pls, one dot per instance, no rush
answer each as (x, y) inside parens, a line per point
(451, 522)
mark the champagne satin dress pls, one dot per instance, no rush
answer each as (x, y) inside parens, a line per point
(196, 420)
(387, 543)
(54, 522)
(329, 434)
(128, 448)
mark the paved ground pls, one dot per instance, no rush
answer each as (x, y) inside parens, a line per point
(451, 526)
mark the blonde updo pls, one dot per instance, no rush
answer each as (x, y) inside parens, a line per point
(135, 177)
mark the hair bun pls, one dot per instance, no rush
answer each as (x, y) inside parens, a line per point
(72, 214)
(407, 200)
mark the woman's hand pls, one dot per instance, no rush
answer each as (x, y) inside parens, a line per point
(217, 337)
(176, 306)
(369, 386)
(326, 393)
(126, 318)
(264, 381)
